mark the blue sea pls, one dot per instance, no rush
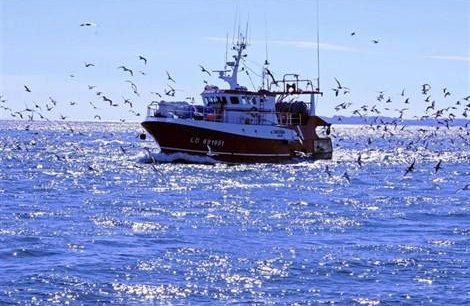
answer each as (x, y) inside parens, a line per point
(87, 217)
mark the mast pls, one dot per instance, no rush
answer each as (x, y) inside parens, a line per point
(232, 79)
(266, 62)
(318, 45)
(312, 96)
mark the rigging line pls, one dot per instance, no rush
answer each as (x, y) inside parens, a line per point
(251, 70)
(249, 76)
(253, 62)
(251, 81)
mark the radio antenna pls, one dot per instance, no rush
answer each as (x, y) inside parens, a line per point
(318, 45)
(246, 29)
(266, 62)
(234, 26)
(226, 51)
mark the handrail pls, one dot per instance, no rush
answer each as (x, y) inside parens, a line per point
(252, 117)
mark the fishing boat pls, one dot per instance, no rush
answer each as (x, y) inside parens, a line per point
(275, 123)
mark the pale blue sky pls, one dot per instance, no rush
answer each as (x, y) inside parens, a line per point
(42, 44)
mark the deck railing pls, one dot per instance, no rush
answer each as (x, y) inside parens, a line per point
(254, 117)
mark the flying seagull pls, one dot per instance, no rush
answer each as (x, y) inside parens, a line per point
(410, 168)
(339, 84)
(169, 77)
(346, 176)
(143, 59)
(124, 68)
(88, 24)
(204, 70)
(272, 77)
(438, 166)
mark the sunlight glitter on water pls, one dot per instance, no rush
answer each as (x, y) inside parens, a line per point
(102, 224)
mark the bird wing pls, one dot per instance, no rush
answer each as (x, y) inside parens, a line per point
(339, 84)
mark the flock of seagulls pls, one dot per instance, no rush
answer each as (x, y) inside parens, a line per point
(46, 109)
(392, 129)
(371, 115)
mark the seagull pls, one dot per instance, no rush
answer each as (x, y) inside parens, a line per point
(88, 24)
(204, 70)
(425, 88)
(446, 92)
(359, 160)
(431, 106)
(272, 77)
(209, 152)
(89, 65)
(170, 92)
(169, 77)
(124, 68)
(437, 167)
(93, 105)
(134, 112)
(410, 168)
(346, 176)
(134, 87)
(37, 106)
(97, 117)
(143, 59)
(27, 88)
(375, 41)
(327, 171)
(127, 101)
(339, 84)
(53, 101)
(19, 114)
(353, 33)
(107, 100)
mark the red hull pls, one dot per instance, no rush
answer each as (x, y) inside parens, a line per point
(222, 146)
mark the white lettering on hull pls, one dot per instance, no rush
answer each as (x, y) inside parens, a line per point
(207, 141)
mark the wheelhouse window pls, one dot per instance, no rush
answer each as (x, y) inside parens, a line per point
(224, 100)
(234, 100)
